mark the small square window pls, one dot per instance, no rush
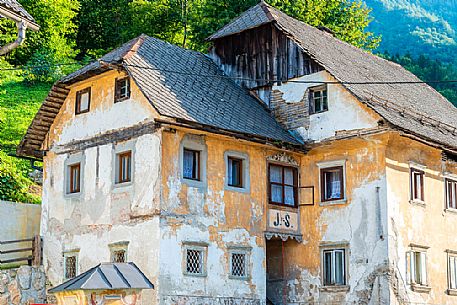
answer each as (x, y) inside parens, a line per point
(70, 266)
(283, 183)
(334, 267)
(417, 184)
(451, 194)
(191, 164)
(239, 264)
(124, 167)
(74, 181)
(418, 267)
(194, 261)
(235, 172)
(332, 183)
(82, 101)
(122, 89)
(318, 99)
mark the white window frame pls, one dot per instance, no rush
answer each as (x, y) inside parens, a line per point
(72, 253)
(320, 88)
(413, 166)
(196, 143)
(195, 246)
(452, 272)
(330, 164)
(335, 247)
(119, 246)
(246, 185)
(449, 178)
(421, 284)
(246, 251)
(72, 160)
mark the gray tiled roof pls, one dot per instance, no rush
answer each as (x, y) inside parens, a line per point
(415, 108)
(16, 8)
(107, 276)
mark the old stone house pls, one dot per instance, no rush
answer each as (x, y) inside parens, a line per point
(285, 167)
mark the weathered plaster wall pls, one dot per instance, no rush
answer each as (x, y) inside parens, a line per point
(19, 221)
(345, 112)
(429, 225)
(23, 286)
(103, 213)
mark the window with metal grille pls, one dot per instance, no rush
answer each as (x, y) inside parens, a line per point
(238, 265)
(119, 256)
(122, 89)
(194, 261)
(451, 194)
(74, 181)
(70, 266)
(124, 167)
(318, 99)
(417, 184)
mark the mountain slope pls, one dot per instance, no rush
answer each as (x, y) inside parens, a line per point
(418, 27)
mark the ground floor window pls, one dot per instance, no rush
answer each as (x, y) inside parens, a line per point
(195, 259)
(70, 265)
(334, 267)
(418, 266)
(452, 271)
(239, 262)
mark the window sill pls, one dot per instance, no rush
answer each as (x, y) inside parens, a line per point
(417, 202)
(122, 185)
(239, 278)
(193, 183)
(342, 288)
(73, 195)
(451, 211)
(236, 189)
(420, 288)
(333, 202)
(452, 292)
(195, 275)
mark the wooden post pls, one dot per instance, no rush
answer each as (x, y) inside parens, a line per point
(37, 251)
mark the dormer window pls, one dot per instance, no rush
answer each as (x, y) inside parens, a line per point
(82, 101)
(122, 89)
(318, 99)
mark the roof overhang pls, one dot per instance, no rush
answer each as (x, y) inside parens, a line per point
(18, 18)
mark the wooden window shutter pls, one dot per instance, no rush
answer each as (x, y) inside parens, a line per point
(311, 102)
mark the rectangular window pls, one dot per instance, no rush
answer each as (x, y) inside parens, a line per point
(452, 272)
(332, 183)
(318, 99)
(418, 267)
(194, 261)
(417, 184)
(124, 173)
(334, 267)
(238, 264)
(451, 194)
(70, 266)
(74, 172)
(82, 101)
(191, 162)
(235, 172)
(283, 182)
(122, 89)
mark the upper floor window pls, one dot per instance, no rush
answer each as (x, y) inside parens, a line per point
(451, 194)
(417, 184)
(70, 265)
(332, 183)
(283, 185)
(235, 172)
(82, 101)
(191, 164)
(74, 181)
(318, 99)
(124, 167)
(122, 89)
(119, 252)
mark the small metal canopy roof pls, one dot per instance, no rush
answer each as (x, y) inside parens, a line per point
(107, 276)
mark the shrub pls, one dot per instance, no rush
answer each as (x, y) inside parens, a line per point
(43, 66)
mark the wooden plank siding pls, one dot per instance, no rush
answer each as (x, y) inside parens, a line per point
(260, 55)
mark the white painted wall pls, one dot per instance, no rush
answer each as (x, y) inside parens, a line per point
(344, 111)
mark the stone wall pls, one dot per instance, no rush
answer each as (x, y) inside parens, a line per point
(22, 286)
